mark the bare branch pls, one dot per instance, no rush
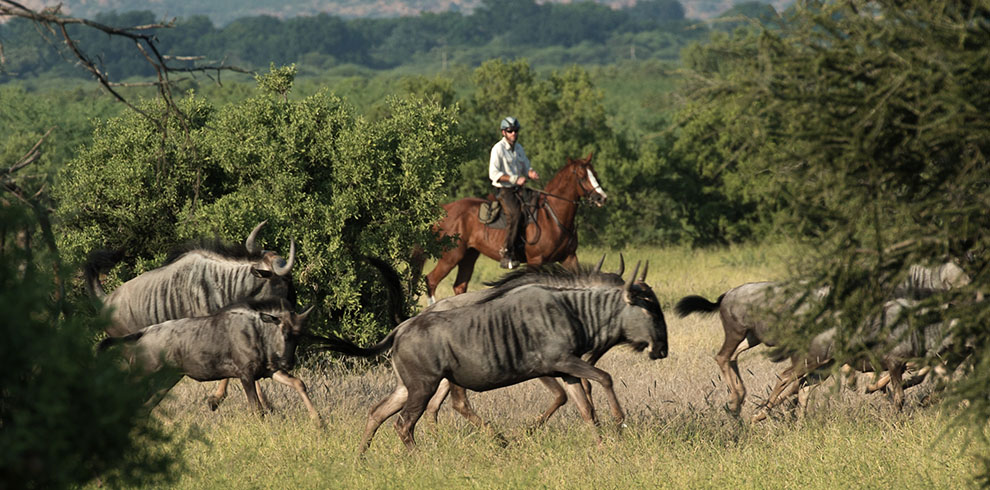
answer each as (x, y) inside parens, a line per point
(51, 21)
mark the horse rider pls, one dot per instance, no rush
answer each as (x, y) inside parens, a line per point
(509, 169)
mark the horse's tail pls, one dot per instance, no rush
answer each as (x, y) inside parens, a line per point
(348, 348)
(393, 283)
(98, 262)
(696, 304)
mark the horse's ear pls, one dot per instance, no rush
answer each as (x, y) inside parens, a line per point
(588, 158)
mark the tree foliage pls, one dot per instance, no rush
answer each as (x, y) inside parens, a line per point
(341, 186)
(67, 416)
(861, 127)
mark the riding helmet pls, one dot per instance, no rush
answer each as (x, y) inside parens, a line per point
(510, 123)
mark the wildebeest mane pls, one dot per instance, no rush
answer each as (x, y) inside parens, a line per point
(553, 274)
(214, 245)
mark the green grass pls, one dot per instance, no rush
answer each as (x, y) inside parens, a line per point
(677, 435)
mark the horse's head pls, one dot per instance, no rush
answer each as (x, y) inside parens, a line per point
(587, 178)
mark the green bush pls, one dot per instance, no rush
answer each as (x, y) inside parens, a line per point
(67, 416)
(340, 185)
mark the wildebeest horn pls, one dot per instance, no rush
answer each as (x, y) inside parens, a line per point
(646, 267)
(302, 316)
(598, 268)
(285, 269)
(249, 243)
(622, 265)
(627, 289)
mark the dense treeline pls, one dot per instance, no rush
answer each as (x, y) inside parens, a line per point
(584, 32)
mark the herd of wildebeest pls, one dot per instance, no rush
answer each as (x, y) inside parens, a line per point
(220, 311)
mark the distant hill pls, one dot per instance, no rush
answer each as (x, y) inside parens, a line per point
(222, 12)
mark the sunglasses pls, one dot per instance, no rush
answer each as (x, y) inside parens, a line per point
(511, 130)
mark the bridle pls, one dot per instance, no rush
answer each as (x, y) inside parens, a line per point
(587, 192)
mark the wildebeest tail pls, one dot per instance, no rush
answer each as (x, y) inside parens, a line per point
(393, 283)
(98, 262)
(696, 304)
(348, 348)
(111, 341)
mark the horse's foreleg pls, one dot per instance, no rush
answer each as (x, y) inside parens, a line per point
(464, 270)
(570, 262)
(446, 264)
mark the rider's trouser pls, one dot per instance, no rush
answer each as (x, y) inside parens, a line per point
(510, 197)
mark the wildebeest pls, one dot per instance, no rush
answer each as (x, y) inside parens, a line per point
(247, 341)
(528, 332)
(748, 312)
(892, 342)
(923, 281)
(552, 275)
(196, 280)
(751, 310)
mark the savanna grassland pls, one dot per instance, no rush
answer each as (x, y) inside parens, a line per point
(677, 434)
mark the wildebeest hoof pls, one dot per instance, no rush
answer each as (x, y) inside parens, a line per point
(214, 403)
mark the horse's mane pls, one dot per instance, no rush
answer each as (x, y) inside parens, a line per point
(215, 245)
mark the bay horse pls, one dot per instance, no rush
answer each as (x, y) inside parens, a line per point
(552, 238)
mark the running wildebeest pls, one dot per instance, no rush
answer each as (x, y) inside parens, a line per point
(748, 312)
(552, 275)
(196, 280)
(247, 341)
(892, 344)
(526, 333)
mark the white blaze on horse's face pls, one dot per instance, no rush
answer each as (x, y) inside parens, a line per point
(597, 187)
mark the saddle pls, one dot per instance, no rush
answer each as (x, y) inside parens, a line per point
(490, 212)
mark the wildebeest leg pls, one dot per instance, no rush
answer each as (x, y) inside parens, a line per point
(262, 399)
(560, 398)
(728, 364)
(252, 395)
(896, 372)
(300, 387)
(218, 395)
(464, 270)
(383, 410)
(412, 410)
(885, 380)
(459, 401)
(433, 408)
(789, 378)
(579, 368)
(573, 386)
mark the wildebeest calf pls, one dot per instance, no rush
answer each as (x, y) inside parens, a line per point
(247, 341)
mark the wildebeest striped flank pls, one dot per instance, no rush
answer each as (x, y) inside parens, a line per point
(194, 281)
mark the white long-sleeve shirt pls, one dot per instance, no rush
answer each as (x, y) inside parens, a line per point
(506, 160)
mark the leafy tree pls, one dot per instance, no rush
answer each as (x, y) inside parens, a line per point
(343, 187)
